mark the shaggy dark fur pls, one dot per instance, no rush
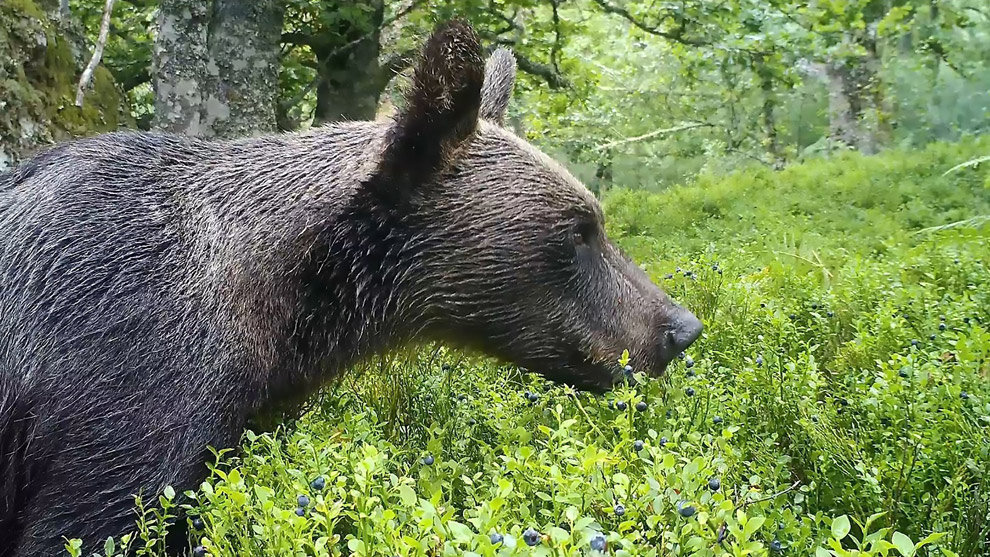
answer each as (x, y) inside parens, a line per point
(159, 291)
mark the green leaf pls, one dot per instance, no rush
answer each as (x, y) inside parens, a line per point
(840, 527)
(903, 544)
(822, 552)
(109, 547)
(169, 493)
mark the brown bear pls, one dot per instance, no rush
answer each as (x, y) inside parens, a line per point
(159, 291)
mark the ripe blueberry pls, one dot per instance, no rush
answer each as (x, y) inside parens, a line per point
(531, 537)
(689, 362)
(598, 542)
(689, 391)
(902, 373)
(641, 406)
(964, 395)
(687, 511)
(302, 501)
(319, 483)
(681, 355)
(717, 420)
(428, 460)
(776, 546)
(663, 441)
(628, 369)
(496, 538)
(300, 511)
(638, 445)
(714, 484)
(197, 523)
(941, 326)
(759, 360)
(199, 551)
(915, 343)
(619, 510)
(621, 405)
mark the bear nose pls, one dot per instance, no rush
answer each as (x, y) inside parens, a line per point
(686, 330)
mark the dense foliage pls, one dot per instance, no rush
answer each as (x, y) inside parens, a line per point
(838, 403)
(643, 94)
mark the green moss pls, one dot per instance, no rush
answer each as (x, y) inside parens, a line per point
(38, 84)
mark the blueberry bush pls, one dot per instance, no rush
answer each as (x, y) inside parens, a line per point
(838, 403)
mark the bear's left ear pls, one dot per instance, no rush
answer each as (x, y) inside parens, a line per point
(441, 110)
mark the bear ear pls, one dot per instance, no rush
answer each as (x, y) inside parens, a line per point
(500, 78)
(441, 110)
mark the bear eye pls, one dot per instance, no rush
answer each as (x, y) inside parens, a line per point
(583, 234)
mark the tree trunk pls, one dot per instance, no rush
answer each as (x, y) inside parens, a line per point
(216, 66)
(351, 77)
(181, 73)
(856, 103)
(244, 47)
(767, 111)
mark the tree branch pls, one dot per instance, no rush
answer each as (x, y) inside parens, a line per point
(652, 134)
(101, 43)
(624, 13)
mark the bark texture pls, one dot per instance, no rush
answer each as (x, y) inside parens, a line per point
(216, 67)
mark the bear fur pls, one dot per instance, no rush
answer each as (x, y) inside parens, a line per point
(159, 291)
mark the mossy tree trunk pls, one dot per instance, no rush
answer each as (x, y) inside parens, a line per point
(39, 69)
(216, 66)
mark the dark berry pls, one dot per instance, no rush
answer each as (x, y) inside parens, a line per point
(199, 551)
(598, 542)
(689, 391)
(763, 305)
(689, 362)
(197, 523)
(759, 360)
(668, 276)
(915, 343)
(621, 405)
(527, 394)
(681, 355)
(717, 420)
(663, 441)
(964, 395)
(902, 373)
(641, 406)
(814, 419)
(931, 337)
(628, 369)
(428, 460)
(966, 320)
(638, 445)
(814, 306)
(300, 511)
(941, 318)
(445, 367)
(611, 404)
(941, 326)
(319, 483)
(691, 373)
(302, 501)
(714, 484)
(793, 316)
(533, 397)
(496, 538)
(830, 314)
(619, 510)
(723, 533)
(776, 547)
(668, 414)
(687, 511)
(531, 537)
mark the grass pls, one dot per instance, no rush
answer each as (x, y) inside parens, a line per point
(838, 403)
